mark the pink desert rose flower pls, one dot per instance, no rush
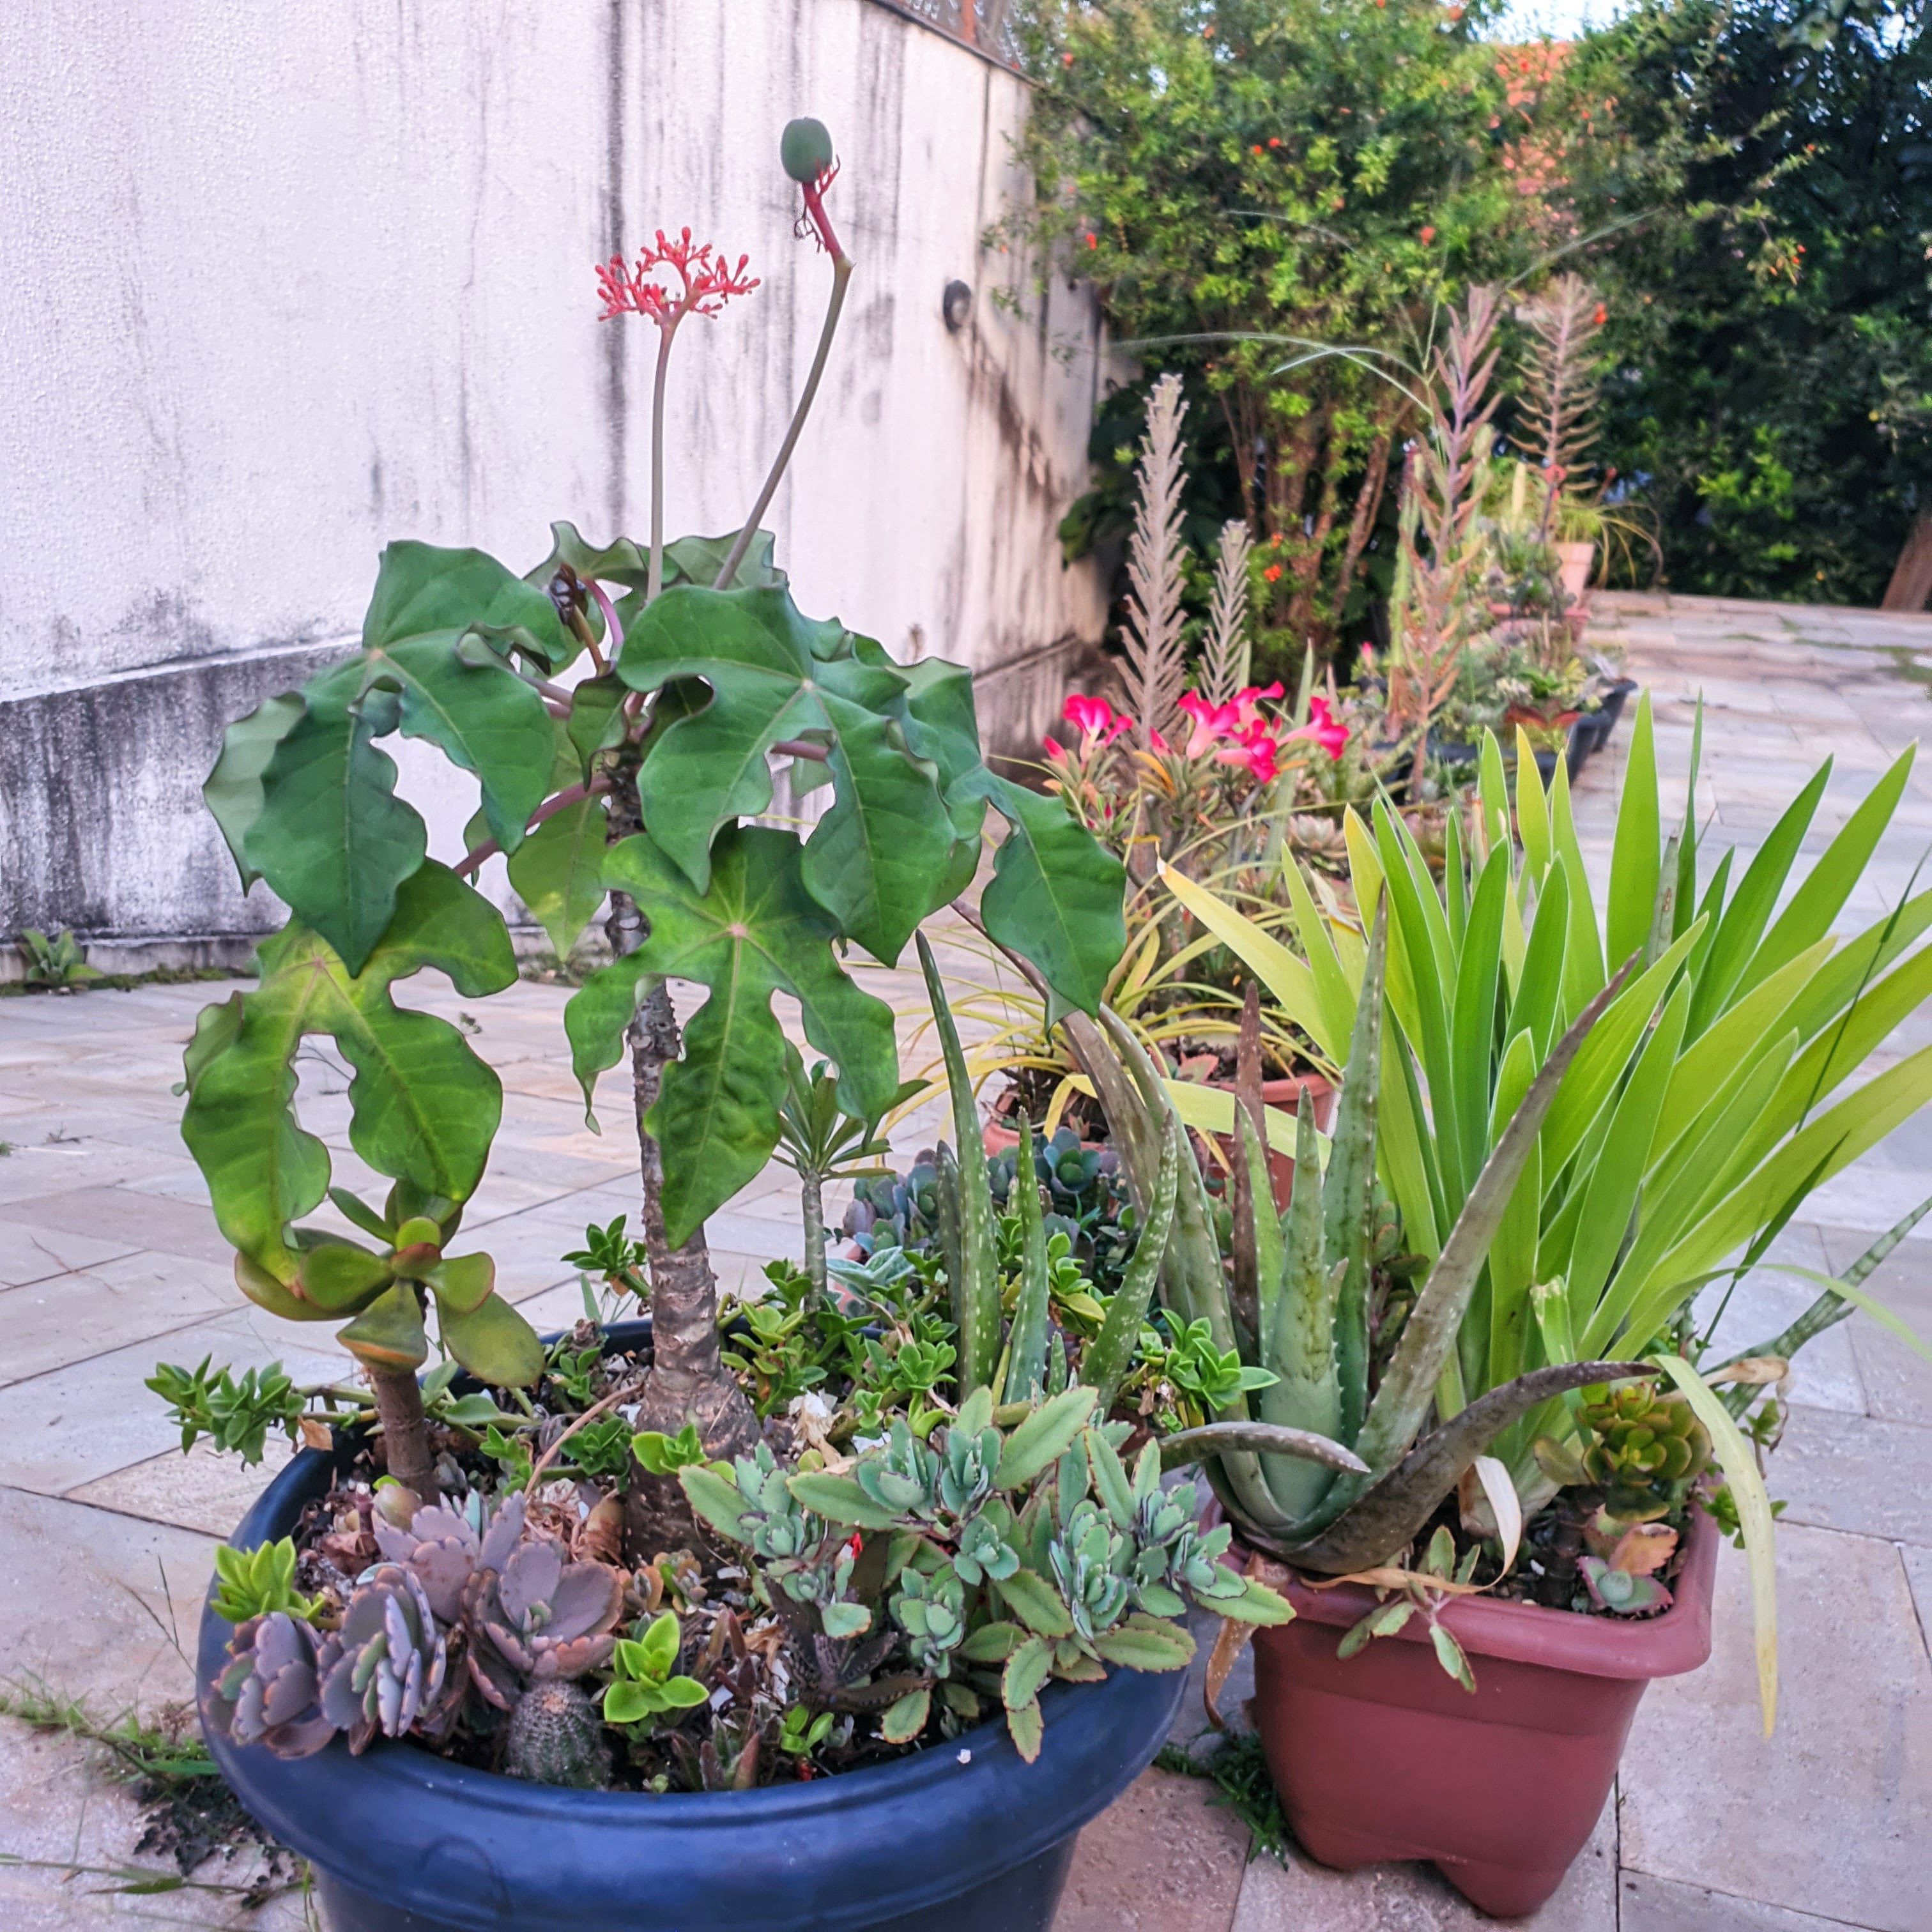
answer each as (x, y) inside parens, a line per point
(1323, 728)
(1095, 718)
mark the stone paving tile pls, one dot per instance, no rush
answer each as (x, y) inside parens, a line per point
(1163, 1858)
(54, 1323)
(1855, 1473)
(107, 1213)
(1832, 1815)
(203, 1490)
(76, 1424)
(92, 1602)
(1919, 1578)
(1302, 1896)
(30, 1252)
(1646, 1904)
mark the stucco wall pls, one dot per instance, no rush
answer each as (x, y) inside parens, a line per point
(285, 282)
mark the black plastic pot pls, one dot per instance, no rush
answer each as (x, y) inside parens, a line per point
(1613, 704)
(960, 1838)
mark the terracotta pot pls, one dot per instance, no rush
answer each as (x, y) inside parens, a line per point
(1385, 1756)
(1284, 1096)
(1575, 561)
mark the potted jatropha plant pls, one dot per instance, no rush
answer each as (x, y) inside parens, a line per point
(1555, 1134)
(645, 1627)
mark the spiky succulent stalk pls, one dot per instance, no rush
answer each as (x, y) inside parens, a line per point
(976, 1293)
(556, 1736)
(1026, 1366)
(1111, 1354)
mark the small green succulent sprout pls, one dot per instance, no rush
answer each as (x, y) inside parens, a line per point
(610, 1252)
(971, 1459)
(1643, 1446)
(983, 1550)
(662, 1455)
(258, 1582)
(1622, 1577)
(903, 1477)
(932, 1611)
(644, 1687)
(800, 1733)
(805, 149)
(1208, 1377)
(1087, 1557)
(235, 1411)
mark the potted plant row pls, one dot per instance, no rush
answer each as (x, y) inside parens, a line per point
(1555, 1133)
(669, 1623)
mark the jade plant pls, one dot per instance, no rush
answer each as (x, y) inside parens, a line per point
(624, 796)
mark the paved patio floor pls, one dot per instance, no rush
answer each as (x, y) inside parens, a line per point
(109, 1261)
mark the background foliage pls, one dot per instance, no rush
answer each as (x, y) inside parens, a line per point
(1774, 368)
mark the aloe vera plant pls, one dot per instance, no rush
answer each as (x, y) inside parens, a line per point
(1664, 1150)
(1693, 1121)
(1307, 1324)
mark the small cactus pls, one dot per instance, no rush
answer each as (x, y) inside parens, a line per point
(556, 1737)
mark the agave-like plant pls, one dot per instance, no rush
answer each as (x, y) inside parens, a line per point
(1298, 1306)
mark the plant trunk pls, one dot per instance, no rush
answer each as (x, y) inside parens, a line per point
(405, 1433)
(811, 1208)
(689, 1382)
(1911, 583)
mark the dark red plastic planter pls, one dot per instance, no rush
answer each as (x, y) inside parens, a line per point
(1383, 1756)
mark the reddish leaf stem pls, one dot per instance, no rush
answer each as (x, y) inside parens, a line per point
(551, 807)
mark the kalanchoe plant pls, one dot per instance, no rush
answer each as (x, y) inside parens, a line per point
(626, 794)
(989, 1560)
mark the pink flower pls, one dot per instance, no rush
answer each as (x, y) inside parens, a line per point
(1095, 719)
(1323, 728)
(1258, 752)
(1247, 703)
(707, 282)
(1212, 723)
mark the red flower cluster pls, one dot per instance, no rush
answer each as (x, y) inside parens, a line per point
(1236, 733)
(706, 282)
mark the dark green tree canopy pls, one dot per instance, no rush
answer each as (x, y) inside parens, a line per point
(1774, 387)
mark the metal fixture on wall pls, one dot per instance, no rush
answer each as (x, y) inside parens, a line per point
(955, 305)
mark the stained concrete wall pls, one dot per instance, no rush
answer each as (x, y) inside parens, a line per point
(283, 283)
